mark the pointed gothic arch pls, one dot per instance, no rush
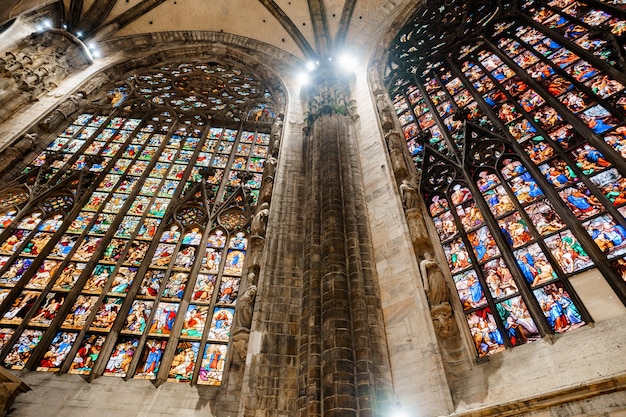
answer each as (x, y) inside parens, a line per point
(514, 118)
(126, 246)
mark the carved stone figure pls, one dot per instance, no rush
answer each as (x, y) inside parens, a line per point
(259, 221)
(418, 230)
(434, 282)
(96, 82)
(16, 152)
(251, 279)
(255, 252)
(265, 195)
(245, 307)
(396, 145)
(408, 195)
(243, 321)
(42, 62)
(276, 132)
(386, 120)
(270, 166)
(443, 320)
(69, 106)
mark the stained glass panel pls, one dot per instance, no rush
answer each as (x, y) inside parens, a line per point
(550, 91)
(154, 246)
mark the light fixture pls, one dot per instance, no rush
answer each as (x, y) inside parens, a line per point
(303, 78)
(399, 412)
(93, 48)
(346, 62)
(310, 66)
(44, 25)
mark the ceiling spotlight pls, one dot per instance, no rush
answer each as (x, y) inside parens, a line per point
(93, 48)
(399, 412)
(303, 78)
(347, 62)
(47, 23)
(310, 66)
(79, 34)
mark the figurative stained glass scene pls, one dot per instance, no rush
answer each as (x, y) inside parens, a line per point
(513, 113)
(123, 243)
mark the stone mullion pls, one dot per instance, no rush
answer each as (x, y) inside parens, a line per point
(338, 390)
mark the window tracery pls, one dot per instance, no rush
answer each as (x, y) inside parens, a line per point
(124, 241)
(515, 122)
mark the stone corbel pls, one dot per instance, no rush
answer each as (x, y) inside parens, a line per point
(10, 387)
(29, 80)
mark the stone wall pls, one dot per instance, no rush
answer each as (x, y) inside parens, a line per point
(270, 380)
(71, 396)
(417, 370)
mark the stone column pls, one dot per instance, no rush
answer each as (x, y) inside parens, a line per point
(344, 365)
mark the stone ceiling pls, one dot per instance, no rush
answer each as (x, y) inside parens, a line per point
(307, 29)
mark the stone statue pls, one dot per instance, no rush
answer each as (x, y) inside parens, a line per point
(396, 145)
(243, 321)
(259, 221)
(255, 252)
(245, 307)
(95, 83)
(270, 166)
(384, 112)
(408, 195)
(418, 230)
(434, 282)
(265, 195)
(395, 141)
(65, 109)
(42, 62)
(251, 279)
(277, 129)
(15, 153)
(386, 120)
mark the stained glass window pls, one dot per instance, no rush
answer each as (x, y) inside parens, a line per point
(513, 113)
(124, 241)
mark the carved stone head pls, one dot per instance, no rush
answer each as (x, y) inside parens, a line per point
(443, 320)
